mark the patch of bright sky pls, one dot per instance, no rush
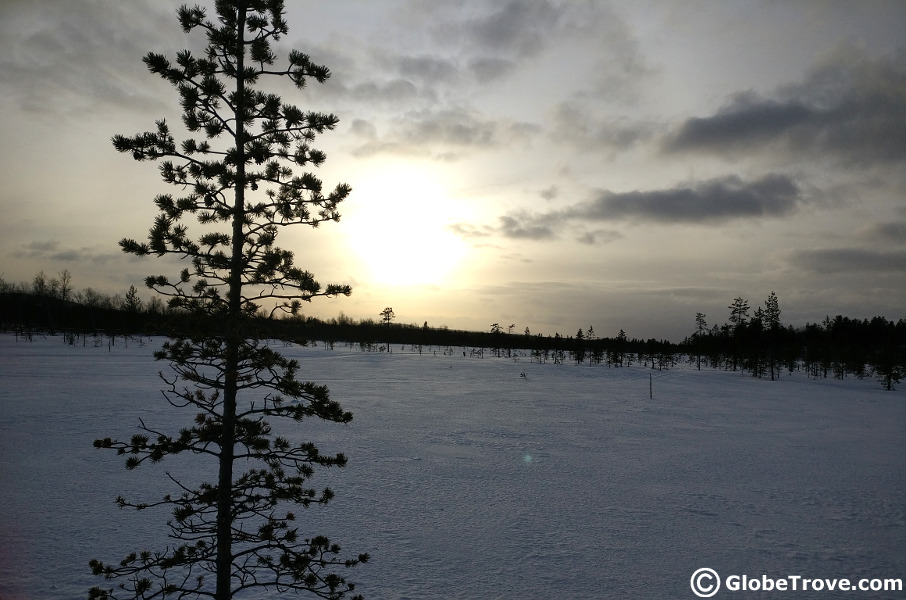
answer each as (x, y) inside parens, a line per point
(398, 223)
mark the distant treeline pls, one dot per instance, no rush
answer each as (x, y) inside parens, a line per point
(757, 344)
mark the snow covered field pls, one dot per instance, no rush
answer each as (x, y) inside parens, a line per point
(468, 481)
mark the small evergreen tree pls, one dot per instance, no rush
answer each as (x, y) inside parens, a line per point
(773, 330)
(597, 349)
(754, 344)
(701, 328)
(889, 368)
(739, 315)
(387, 315)
(579, 347)
(240, 528)
(496, 332)
(509, 339)
(559, 354)
(133, 303)
(621, 342)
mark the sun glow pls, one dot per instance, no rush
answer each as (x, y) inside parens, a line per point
(398, 227)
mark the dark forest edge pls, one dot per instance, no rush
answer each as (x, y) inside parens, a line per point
(758, 345)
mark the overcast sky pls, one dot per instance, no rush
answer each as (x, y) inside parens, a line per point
(549, 164)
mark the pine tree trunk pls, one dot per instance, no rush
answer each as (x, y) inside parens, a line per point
(233, 339)
(225, 477)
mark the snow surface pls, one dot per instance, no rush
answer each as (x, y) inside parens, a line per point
(468, 481)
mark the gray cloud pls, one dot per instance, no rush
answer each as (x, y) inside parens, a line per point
(851, 108)
(492, 38)
(713, 201)
(525, 229)
(378, 78)
(891, 232)
(37, 249)
(599, 236)
(849, 260)
(498, 37)
(52, 250)
(744, 121)
(80, 56)
(363, 129)
(487, 69)
(424, 100)
(550, 193)
(716, 200)
(443, 133)
(452, 127)
(520, 27)
(391, 92)
(623, 67)
(576, 125)
(509, 226)
(430, 69)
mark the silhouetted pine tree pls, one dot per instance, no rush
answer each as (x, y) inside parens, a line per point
(701, 328)
(754, 342)
(578, 349)
(387, 315)
(496, 332)
(596, 346)
(739, 316)
(239, 528)
(620, 346)
(772, 330)
(889, 367)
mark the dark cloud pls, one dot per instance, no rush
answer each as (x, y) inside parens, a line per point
(550, 193)
(713, 201)
(510, 226)
(849, 260)
(489, 39)
(519, 27)
(599, 236)
(851, 108)
(716, 200)
(525, 229)
(745, 121)
(891, 232)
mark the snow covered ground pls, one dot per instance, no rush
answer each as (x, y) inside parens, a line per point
(468, 481)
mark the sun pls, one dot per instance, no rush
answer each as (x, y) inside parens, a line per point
(399, 226)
